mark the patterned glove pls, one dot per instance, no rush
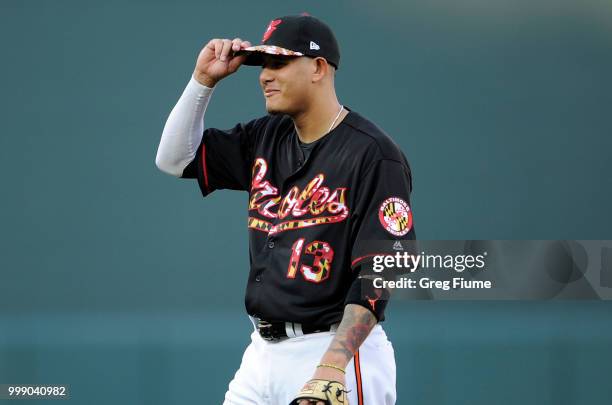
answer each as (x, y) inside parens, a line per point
(329, 392)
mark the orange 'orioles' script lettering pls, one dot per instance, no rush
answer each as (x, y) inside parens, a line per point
(315, 205)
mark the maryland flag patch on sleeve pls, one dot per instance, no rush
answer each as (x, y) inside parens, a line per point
(395, 216)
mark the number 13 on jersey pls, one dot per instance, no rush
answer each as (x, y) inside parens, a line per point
(321, 265)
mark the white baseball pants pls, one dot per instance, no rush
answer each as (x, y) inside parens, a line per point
(272, 373)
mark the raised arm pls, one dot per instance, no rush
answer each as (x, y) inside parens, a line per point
(185, 124)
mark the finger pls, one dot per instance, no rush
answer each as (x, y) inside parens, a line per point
(227, 46)
(211, 44)
(245, 44)
(218, 47)
(236, 44)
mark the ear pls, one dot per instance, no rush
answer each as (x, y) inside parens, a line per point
(320, 69)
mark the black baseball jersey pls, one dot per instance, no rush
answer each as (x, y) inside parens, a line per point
(309, 220)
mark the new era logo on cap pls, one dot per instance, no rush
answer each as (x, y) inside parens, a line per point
(313, 45)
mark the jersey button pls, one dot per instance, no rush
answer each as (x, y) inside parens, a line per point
(258, 279)
(271, 244)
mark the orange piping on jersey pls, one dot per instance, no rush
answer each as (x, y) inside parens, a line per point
(204, 167)
(357, 260)
(358, 378)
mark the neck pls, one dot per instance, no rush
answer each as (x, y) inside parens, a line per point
(313, 123)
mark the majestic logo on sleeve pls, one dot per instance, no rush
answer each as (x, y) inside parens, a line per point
(395, 216)
(315, 205)
(271, 27)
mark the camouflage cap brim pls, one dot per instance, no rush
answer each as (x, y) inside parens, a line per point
(255, 53)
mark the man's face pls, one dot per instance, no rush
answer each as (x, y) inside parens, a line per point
(285, 81)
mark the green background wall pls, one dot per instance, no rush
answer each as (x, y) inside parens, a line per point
(126, 284)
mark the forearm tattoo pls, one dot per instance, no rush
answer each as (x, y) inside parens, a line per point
(355, 327)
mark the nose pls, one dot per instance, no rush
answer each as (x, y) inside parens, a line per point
(265, 76)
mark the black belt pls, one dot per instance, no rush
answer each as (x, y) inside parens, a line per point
(275, 331)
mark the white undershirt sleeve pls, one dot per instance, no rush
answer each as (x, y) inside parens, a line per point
(184, 129)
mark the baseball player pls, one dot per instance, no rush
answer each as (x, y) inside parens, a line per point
(323, 181)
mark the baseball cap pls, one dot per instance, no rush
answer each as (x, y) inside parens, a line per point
(295, 35)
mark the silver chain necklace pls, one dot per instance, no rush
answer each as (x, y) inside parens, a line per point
(331, 126)
(336, 119)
